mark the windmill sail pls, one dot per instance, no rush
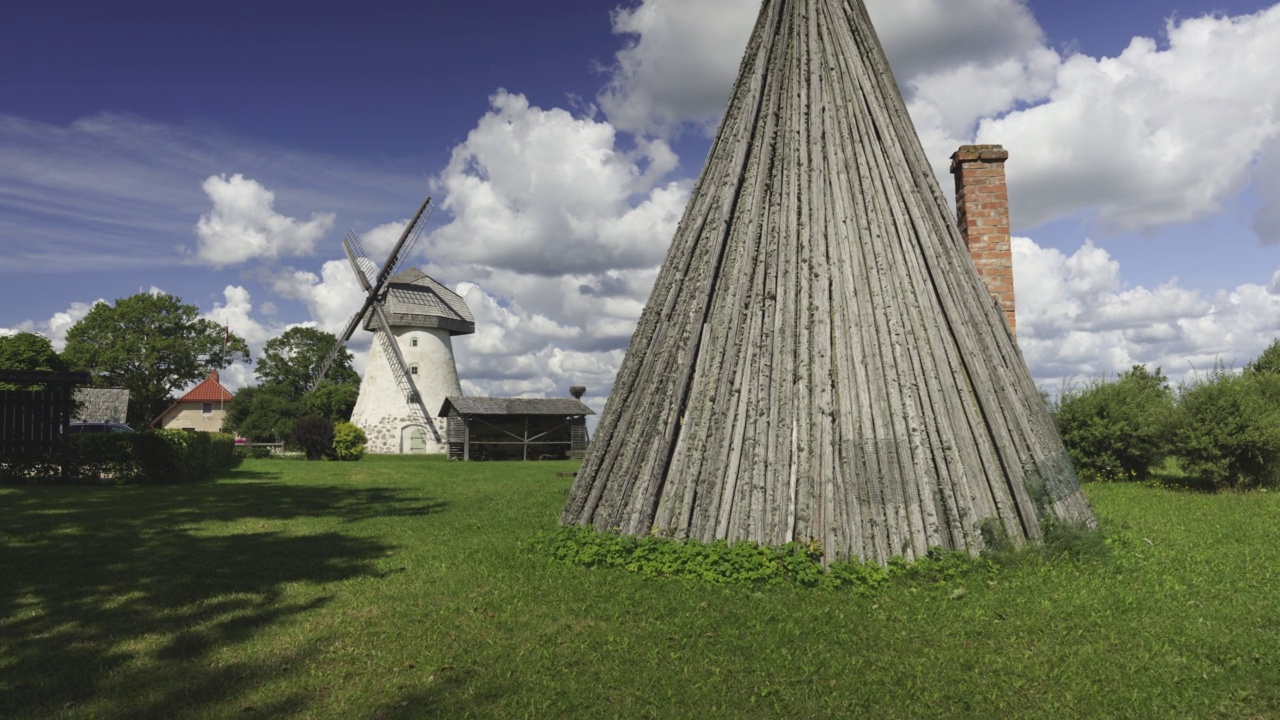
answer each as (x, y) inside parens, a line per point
(373, 283)
(819, 359)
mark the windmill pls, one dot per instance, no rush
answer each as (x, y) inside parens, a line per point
(411, 367)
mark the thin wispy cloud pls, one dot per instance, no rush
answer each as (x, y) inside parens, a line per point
(551, 221)
(117, 191)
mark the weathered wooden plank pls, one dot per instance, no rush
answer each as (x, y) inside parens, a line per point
(818, 358)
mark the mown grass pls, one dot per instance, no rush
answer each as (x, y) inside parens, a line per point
(409, 587)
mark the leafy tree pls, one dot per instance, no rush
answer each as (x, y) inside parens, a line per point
(295, 358)
(28, 351)
(267, 413)
(1267, 362)
(1118, 429)
(263, 413)
(333, 401)
(151, 344)
(287, 367)
(1228, 429)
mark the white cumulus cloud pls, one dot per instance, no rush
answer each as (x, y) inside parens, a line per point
(1078, 319)
(331, 297)
(544, 192)
(1161, 134)
(244, 225)
(56, 327)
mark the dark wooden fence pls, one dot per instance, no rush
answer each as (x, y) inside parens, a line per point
(35, 420)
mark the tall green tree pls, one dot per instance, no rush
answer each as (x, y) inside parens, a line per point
(263, 413)
(151, 344)
(1267, 362)
(295, 358)
(267, 413)
(332, 400)
(28, 351)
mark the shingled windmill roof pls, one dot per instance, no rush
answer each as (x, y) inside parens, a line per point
(819, 358)
(415, 299)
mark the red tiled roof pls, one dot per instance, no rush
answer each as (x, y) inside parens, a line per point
(208, 391)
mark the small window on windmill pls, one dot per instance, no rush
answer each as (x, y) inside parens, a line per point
(413, 369)
(413, 342)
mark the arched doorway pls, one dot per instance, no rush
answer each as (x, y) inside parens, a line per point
(413, 440)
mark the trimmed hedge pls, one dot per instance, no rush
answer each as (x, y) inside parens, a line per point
(151, 457)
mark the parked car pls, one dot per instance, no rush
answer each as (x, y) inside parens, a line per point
(95, 428)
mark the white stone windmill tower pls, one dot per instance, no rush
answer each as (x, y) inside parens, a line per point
(411, 368)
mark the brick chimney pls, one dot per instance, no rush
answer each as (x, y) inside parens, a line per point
(982, 211)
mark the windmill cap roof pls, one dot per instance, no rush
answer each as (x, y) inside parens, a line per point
(415, 299)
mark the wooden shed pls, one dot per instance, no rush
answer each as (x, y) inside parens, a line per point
(35, 415)
(481, 428)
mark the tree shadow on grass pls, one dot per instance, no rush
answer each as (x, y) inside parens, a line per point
(451, 692)
(145, 596)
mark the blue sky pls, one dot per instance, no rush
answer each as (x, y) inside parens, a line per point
(220, 154)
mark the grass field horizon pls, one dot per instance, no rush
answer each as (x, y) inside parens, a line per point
(402, 587)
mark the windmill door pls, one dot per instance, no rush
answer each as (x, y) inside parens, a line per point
(415, 440)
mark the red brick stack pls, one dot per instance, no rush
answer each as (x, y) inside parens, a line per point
(982, 211)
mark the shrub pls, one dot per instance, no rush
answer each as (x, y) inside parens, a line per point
(1228, 429)
(1118, 429)
(314, 435)
(151, 457)
(348, 442)
(257, 452)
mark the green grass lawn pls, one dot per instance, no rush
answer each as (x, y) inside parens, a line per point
(409, 587)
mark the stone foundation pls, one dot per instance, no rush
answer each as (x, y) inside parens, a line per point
(387, 435)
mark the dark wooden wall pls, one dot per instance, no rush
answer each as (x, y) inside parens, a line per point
(515, 437)
(33, 420)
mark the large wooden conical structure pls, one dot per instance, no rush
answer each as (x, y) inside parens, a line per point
(819, 359)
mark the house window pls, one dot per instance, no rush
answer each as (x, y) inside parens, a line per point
(413, 369)
(207, 409)
(414, 342)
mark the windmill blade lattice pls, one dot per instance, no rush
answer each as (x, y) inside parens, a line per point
(374, 285)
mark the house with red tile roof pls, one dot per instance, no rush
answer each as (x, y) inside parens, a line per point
(202, 408)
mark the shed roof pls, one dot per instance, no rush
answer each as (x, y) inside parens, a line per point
(102, 404)
(513, 406)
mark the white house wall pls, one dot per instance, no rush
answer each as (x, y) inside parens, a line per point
(191, 416)
(381, 409)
